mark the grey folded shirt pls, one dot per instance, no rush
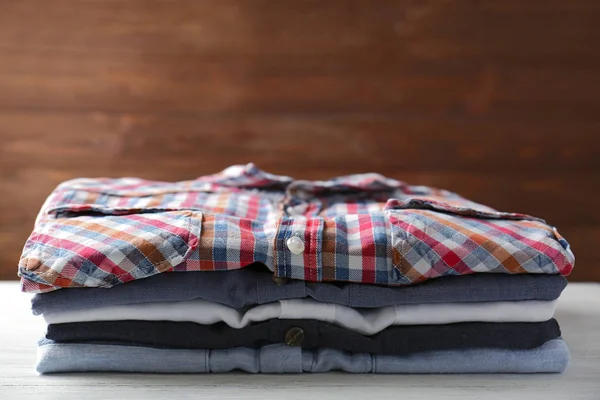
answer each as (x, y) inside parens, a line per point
(552, 356)
(247, 286)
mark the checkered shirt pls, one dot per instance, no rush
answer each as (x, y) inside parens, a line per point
(359, 228)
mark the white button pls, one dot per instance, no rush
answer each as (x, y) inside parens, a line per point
(295, 244)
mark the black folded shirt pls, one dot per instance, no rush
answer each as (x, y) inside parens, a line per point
(310, 334)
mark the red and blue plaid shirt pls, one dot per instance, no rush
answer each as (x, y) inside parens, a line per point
(359, 228)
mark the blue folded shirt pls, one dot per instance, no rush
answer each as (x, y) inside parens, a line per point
(244, 287)
(553, 356)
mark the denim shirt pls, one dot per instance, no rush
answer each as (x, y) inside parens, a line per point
(248, 287)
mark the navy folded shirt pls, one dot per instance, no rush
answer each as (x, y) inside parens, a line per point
(309, 334)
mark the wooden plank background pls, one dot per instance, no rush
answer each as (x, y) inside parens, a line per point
(496, 100)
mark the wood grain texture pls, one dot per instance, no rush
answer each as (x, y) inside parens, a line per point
(578, 314)
(498, 101)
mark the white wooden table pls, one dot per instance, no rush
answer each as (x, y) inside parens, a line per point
(578, 315)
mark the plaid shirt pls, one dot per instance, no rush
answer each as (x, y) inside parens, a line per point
(359, 228)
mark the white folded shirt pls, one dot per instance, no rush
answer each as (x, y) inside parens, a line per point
(366, 321)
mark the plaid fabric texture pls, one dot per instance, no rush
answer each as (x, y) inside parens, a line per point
(360, 228)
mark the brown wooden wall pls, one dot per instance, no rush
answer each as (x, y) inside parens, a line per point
(497, 100)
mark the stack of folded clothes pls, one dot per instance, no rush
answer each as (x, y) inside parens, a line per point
(245, 270)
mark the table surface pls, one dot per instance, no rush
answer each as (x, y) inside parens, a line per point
(578, 314)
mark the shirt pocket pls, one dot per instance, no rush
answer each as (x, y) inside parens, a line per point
(115, 197)
(431, 239)
(103, 246)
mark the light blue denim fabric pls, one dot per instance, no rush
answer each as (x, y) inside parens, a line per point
(53, 357)
(244, 287)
